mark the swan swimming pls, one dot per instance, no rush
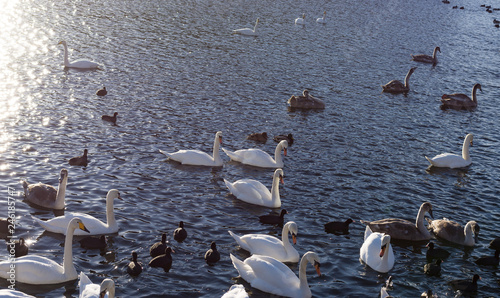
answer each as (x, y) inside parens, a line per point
(254, 192)
(301, 21)
(426, 58)
(460, 101)
(248, 31)
(450, 160)
(454, 232)
(376, 251)
(322, 20)
(197, 157)
(267, 245)
(80, 63)
(259, 158)
(272, 276)
(396, 86)
(96, 227)
(37, 270)
(45, 195)
(91, 290)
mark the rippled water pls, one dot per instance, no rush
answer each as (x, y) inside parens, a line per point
(176, 75)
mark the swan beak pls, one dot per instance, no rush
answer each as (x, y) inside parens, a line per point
(285, 151)
(102, 294)
(317, 265)
(282, 181)
(59, 42)
(382, 250)
(220, 140)
(83, 228)
(294, 238)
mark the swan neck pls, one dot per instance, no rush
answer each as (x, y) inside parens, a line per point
(465, 149)
(420, 222)
(110, 213)
(66, 62)
(468, 234)
(275, 191)
(304, 286)
(284, 237)
(277, 155)
(434, 55)
(216, 151)
(407, 79)
(474, 98)
(68, 267)
(61, 194)
(255, 27)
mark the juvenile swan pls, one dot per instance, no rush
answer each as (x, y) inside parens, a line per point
(454, 232)
(403, 229)
(450, 160)
(396, 86)
(426, 58)
(460, 101)
(45, 195)
(306, 101)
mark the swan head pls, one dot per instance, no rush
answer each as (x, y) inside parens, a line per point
(219, 134)
(279, 173)
(107, 285)
(384, 247)
(313, 258)
(113, 194)
(474, 227)
(63, 42)
(437, 49)
(469, 138)
(477, 86)
(305, 93)
(63, 175)
(303, 15)
(293, 229)
(76, 223)
(284, 145)
(427, 208)
(412, 70)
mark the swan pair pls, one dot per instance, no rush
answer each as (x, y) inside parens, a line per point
(254, 192)
(272, 276)
(80, 63)
(267, 245)
(45, 195)
(91, 290)
(376, 251)
(449, 160)
(403, 229)
(37, 270)
(96, 227)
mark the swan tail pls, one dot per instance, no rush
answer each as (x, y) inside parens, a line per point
(237, 239)
(165, 153)
(243, 269)
(25, 186)
(430, 160)
(231, 154)
(368, 232)
(84, 280)
(43, 224)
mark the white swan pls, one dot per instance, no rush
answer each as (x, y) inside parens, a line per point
(272, 276)
(46, 195)
(323, 19)
(80, 63)
(7, 293)
(267, 245)
(376, 251)
(450, 160)
(197, 157)
(301, 21)
(454, 232)
(259, 158)
(247, 31)
(236, 291)
(96, 227)
(37, 270)
(91, 290)
(254, 192)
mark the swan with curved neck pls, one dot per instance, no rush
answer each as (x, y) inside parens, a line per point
(376, 251)
(402, 229)
(426, 58)
(323, 19)
(248, 31)
(450, 160)
(272, 276)
(267, 245)
(396, 86)
(259, 158)
(197, 157)
(459, 100)
(454, 232)
(37, 270)
(45, 195)
(254, 192)
(302, 20)
(96, 227)
(80, 63)
(90, 290)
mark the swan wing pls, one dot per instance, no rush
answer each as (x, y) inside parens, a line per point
(236, 291)
(370, 253)
(423, 58)
(34, 269)
(255, 157)
(394, 84)
(245, 31)
(41, 192)
(83, 64)
(448, 230)
(250, 191)
(396, 228)
(191, 157)
(449, 160)
(59, 224)
(7, 293)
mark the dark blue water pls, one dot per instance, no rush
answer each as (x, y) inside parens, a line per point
(176, 75)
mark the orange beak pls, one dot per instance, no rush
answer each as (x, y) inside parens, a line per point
(382, 251)
(285, 151)
(220, 140)
(281, 179)
(294, 238)
(316, 265)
